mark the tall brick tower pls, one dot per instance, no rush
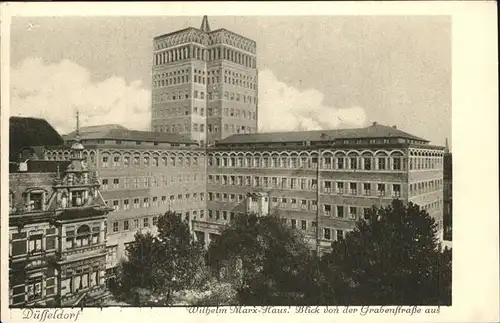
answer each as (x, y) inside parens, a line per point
(204, 83)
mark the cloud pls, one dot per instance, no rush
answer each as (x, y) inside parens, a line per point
(285, 108)
(55, 91)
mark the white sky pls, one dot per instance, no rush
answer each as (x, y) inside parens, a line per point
(315, 72)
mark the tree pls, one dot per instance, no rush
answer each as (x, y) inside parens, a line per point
(139, 269)
(182, 257)
(264, 259)
(391, 258)
(162, 264)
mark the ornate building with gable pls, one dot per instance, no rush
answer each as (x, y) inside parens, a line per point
(57, 233)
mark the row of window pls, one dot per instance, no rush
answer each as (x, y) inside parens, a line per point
(294, 223)
(183, 79)
(150, 181)
(155, 201)
(40, 242)
(215, 95)
(81, 281)
(33, 243)
(149, 221)
(199, 53)
(426, 163)
(209, 73)
(348, 163)
(170, 73)
(426, 187)
(332, 141)
(328, 233)
(303, 184)
(195, 127)
(231, 128)
(82, 237)
(211, 112)
(433, 206)
(145, 160)
(135, 224)
(31, 291)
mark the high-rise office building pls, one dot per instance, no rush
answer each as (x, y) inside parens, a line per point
(204, 84)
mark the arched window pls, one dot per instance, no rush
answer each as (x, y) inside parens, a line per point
(116, 160)
(382, 161)
(83, 236)
(85, 156)
(105, 160)
(137, 159)
(367, 161)
(353, 160)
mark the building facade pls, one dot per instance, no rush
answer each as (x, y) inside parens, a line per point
(322, 182)
(448, 193)
(142, 174)
(204, 84)
(57, 233)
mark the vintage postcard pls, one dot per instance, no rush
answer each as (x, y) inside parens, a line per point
(212, 161)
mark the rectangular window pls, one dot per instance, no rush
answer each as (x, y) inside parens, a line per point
(340, 211)
(294, 223)
(340, 163)
(125, 225)
(340, 187)
(367, 163)
(340, 235)
(396, 190)
(381, 163)
(115, 226)
(352, 212)
(327, 187)
(381, 189)
(327, 234)
(354, 162)
(353, 188)
(367, 188)
(327, 209)
(303, 225)
(396, 163)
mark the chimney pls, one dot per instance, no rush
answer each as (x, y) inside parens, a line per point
(374, 123)
(394, 127)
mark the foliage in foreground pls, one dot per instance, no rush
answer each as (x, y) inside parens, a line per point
(391, 258)
(266, 261)
(161, 264)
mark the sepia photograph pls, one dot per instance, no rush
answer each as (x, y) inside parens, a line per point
(224, 163)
